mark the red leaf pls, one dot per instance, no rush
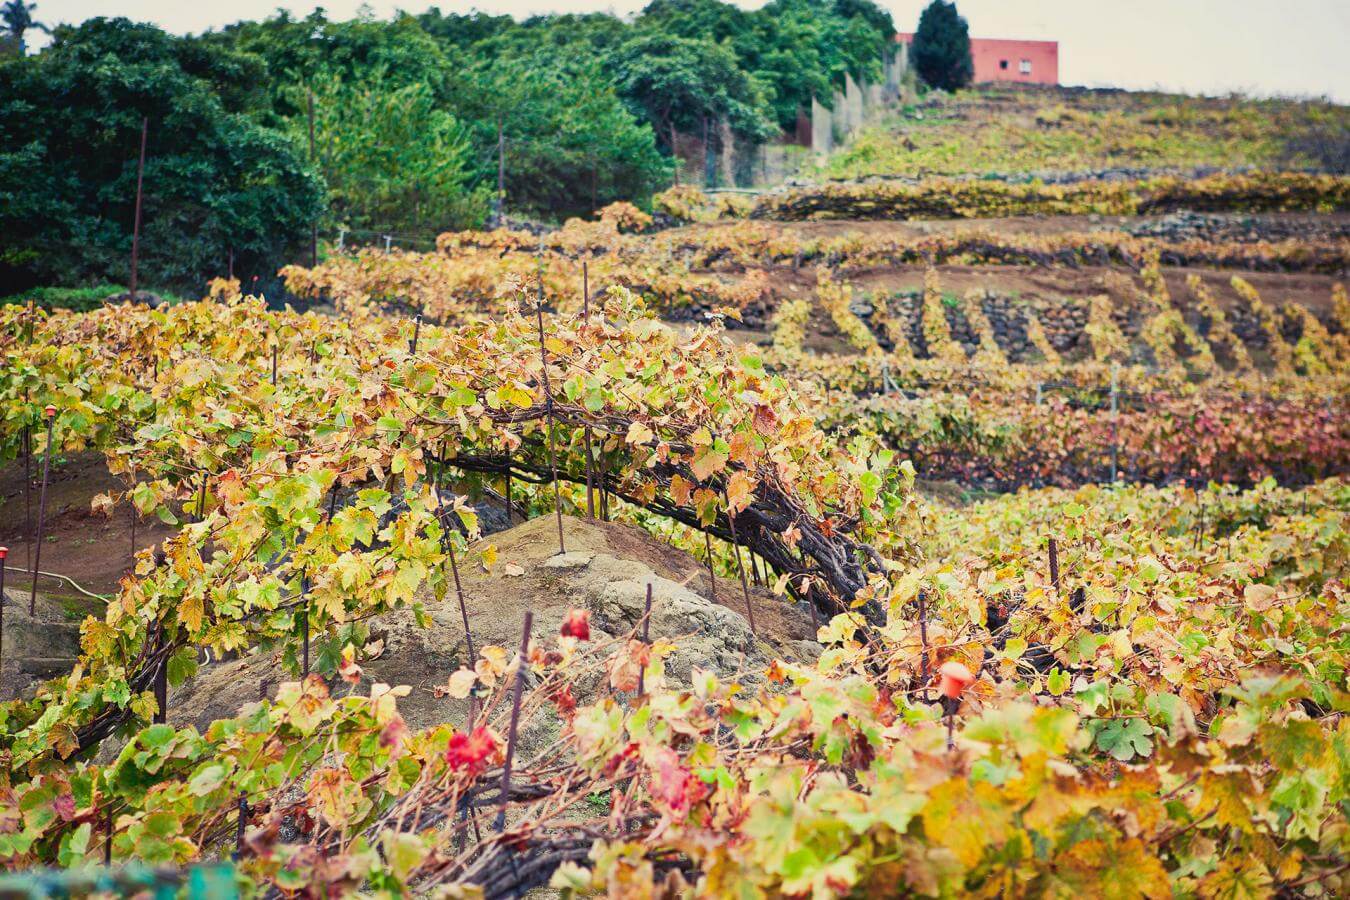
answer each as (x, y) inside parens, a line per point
(577, 625)
(471, 751)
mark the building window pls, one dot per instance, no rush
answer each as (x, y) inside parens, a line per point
(1003, 64)
(1025, 67)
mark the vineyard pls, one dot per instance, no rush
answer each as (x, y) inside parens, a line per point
(932, 537)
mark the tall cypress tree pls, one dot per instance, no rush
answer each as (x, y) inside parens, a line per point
(942, 47)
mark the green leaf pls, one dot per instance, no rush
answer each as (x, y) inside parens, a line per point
(1125, 738)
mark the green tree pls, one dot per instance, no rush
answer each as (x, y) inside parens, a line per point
(215, 180)
(299, 51)
(942, 47)
(571, 145)
(689, 84)
(393, 159)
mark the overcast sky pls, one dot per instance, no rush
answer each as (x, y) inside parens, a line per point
(1265, 47)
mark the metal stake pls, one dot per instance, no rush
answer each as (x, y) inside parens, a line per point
(27, 495)
(454, 570)
(515, 720)
(740, 568)
(548, 415)
(590, 462)
(1054, 564)
(923, 640)
(162, 692)
(646, 623)
(4, 554)
(304, 621)
(239, 828)
(42, 510)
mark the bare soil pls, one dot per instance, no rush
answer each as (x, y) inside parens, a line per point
(92, 550)
(605, 571)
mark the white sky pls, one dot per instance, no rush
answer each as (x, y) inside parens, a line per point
(1263, 47)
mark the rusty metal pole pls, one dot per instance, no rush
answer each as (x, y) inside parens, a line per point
(515, 721)
(50, 412)
(136, 227)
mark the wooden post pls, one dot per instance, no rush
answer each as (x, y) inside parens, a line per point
(515, 720)
(50, 412)
(548, 414)
(136, 226)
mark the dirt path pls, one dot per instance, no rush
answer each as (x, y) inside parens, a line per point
(88, 548)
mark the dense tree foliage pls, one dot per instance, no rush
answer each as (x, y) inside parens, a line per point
(215, 180)
(942, 47)
(412, 118)
(394, 159)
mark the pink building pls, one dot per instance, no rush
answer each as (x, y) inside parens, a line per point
(1027, 62)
